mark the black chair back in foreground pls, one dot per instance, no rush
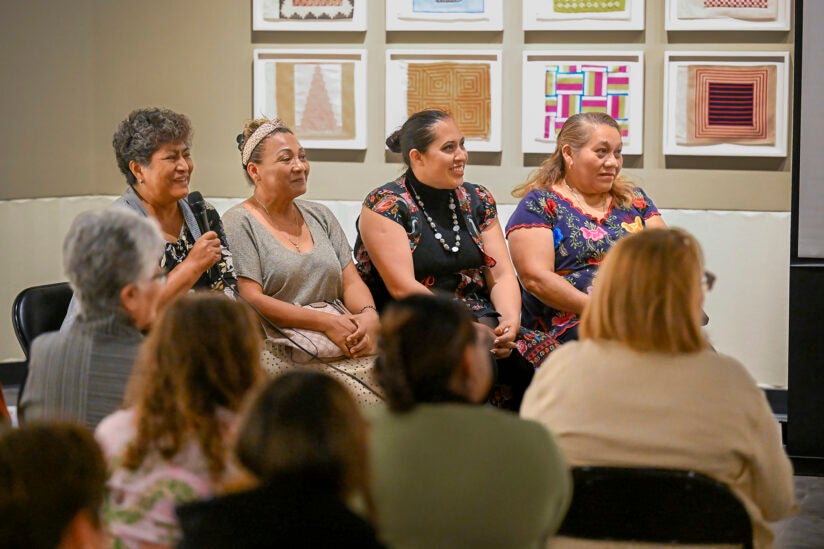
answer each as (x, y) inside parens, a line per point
(39, 309)
(654, 505)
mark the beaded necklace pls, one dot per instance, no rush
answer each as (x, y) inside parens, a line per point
(435, 229)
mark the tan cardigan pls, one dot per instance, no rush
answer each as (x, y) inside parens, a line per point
(609, 405)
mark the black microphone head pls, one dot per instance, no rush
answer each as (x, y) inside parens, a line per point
(195, 200)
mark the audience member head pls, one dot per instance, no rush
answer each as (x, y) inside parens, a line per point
(416, 133)
(250, 142)
(52, 482)
(648, 294)
(575, 134)
(306, 426)
(111, 258)
(202, 356)
(143, 133)
(429, 351)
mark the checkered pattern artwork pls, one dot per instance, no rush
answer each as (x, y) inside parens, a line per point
(730, 104)
(460, 88)
(571, 89)
(736, 4)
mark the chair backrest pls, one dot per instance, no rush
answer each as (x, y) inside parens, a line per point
(39, 309)
(654, 505)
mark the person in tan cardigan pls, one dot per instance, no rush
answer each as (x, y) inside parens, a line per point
(644, 388)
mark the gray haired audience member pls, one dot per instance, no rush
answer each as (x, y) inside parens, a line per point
(111, 260)
(52, 480)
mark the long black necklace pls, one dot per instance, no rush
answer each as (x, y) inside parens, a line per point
(435, 229)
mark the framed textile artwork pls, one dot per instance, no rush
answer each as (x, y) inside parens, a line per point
(438, 15)
(466, 84)
(561, 15)
(309, 15)
(558, 84)
(728, 15)
(716, 104)
(319, 94)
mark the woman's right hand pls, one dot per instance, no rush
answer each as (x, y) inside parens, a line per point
(338, 328)
(205, 253)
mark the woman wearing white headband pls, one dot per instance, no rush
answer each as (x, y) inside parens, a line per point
(290, 253)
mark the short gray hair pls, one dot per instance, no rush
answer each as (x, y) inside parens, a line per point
(107, 250)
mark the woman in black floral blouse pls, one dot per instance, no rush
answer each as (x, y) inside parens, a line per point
(429, 230)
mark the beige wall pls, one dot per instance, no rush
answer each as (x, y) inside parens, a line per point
(70, 71)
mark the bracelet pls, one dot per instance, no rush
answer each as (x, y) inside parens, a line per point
(368, 307)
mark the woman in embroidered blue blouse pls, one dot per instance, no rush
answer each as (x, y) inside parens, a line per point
(572, 210)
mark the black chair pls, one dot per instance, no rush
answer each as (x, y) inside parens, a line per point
(37, 310)
(656, 506)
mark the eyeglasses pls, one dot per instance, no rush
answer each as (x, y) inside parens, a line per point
(707, 281)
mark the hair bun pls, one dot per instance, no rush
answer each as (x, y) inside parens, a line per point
(394, 141)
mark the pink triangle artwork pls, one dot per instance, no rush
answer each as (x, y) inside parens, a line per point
(318, 116)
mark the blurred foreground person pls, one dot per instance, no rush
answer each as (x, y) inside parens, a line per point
(80, 373)
(305, 441)
(643, 388)
(52, 480)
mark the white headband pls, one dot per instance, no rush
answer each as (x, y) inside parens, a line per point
(257, 136)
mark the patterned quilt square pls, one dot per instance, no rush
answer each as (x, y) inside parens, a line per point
(317, 9)
(463, 89)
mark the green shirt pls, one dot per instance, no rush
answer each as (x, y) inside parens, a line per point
(457, 475)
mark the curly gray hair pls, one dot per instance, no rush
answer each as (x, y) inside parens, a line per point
(105, 251)
(145, 131)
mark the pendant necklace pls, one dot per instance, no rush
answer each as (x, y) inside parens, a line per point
(285, 234)
(577, 198)
(435, 229)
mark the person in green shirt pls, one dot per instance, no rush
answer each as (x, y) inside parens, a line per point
(449, 472)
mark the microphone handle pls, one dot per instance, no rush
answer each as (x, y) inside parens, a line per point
(203, 224)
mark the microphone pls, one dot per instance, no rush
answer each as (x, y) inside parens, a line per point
(198, 206)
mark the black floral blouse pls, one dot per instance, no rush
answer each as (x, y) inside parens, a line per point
(477, 211)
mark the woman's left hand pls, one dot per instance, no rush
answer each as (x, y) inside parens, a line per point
(505, 334)
(364, 340)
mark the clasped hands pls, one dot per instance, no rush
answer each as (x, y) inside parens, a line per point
(355, 334)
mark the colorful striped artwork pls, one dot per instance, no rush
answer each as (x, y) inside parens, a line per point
(731, 104)
(761, 4)
(571, 89)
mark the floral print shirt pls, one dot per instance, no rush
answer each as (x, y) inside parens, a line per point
(580, 241)
(477, 211)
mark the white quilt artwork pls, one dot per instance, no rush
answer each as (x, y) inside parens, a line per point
(429, 10)
(307, 9)
(332, 80)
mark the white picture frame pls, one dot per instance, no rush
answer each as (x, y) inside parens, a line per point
(268, 15)
(539, 123)
(410, 15)
(676, 98)
(398, 63)
(336, 88)
(541, 15)
(717, 21)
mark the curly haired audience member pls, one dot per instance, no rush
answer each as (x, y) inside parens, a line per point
(172, 444)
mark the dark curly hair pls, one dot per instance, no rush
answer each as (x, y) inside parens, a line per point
(422, 340)
(143, 132)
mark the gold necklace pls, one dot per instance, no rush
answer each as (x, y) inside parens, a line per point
(577, 197)
(285, 234)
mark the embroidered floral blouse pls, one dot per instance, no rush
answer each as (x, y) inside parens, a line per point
(477, 211)
(580, 242)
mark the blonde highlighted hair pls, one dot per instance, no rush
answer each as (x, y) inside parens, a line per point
(576, 133)
(647, 294)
